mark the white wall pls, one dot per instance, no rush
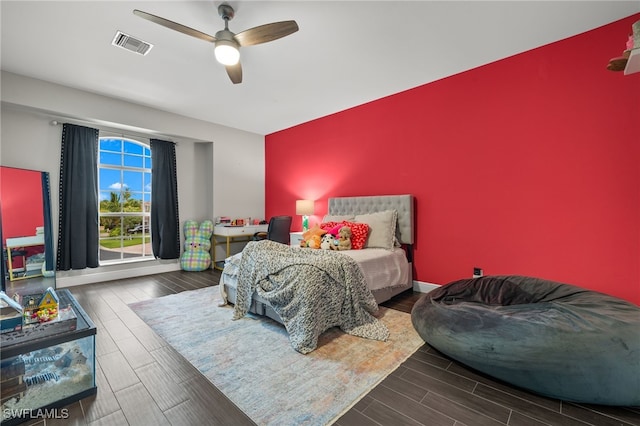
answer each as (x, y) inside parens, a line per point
(220, 169)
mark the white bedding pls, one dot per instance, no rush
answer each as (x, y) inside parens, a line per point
(380, 267)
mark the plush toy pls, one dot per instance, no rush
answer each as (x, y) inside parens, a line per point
(344, 239)
(334, 231)
(196, 256)
(313, 237)
(327, 241)
(314, 242)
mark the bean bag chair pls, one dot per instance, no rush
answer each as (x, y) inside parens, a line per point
(553, 339)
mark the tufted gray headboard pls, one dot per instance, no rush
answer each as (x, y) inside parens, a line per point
(403, 204)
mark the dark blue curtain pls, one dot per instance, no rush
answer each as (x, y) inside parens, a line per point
(165, 222)
(48, 230)
(78, 235)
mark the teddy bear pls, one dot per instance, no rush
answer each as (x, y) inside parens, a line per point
(197, 244)
(327, 241)
(344, 239)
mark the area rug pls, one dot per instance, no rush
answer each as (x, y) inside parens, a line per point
(252, 362)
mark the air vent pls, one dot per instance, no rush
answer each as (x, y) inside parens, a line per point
(131, 43)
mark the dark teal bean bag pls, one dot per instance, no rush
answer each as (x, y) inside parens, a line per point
(554, 339)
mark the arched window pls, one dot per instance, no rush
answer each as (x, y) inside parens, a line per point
(124, 182)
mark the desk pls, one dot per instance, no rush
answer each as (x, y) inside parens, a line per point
(20, 242)
(232, 234)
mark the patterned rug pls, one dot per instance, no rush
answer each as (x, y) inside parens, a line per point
(253, 363)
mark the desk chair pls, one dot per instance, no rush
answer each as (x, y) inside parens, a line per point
(278, 230)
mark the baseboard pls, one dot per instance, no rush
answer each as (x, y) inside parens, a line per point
(422, 287)
(109, 273)
(89, 276)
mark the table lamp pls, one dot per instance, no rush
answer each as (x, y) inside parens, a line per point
(304, 208)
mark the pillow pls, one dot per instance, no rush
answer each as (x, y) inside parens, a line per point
(327, 226)
(382, 228)
(359, 232)
(338, 218)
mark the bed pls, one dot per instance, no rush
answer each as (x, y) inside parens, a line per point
(384, 265)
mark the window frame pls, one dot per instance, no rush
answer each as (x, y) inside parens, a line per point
(132, 150)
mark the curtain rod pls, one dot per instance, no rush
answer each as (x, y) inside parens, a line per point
(115, 131)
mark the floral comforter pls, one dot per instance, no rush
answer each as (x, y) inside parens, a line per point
(311, 290)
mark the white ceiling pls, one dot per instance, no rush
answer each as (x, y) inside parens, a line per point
(345, 54)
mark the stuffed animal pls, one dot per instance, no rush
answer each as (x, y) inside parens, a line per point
(313, 242)
(312, 238)
(197, 244)
(344, 239)
(327, 241)
(334, 231)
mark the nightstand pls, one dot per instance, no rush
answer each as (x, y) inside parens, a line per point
(295, 238)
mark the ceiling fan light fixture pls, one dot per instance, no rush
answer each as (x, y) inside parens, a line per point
(226, 43)
(226, 52)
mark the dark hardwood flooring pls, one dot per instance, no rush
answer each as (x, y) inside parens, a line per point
(143, 381)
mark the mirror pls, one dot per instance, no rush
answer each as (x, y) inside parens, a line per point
(27, 265)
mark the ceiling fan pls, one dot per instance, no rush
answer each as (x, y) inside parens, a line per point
(228, 44)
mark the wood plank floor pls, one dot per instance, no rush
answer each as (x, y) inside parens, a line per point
(143, 381)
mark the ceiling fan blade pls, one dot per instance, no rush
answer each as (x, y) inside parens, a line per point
(265, 33)
(235, 73)
(175, 26)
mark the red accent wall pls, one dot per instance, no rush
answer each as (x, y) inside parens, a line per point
(529, 165)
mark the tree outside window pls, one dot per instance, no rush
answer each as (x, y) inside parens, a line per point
(124, 180)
